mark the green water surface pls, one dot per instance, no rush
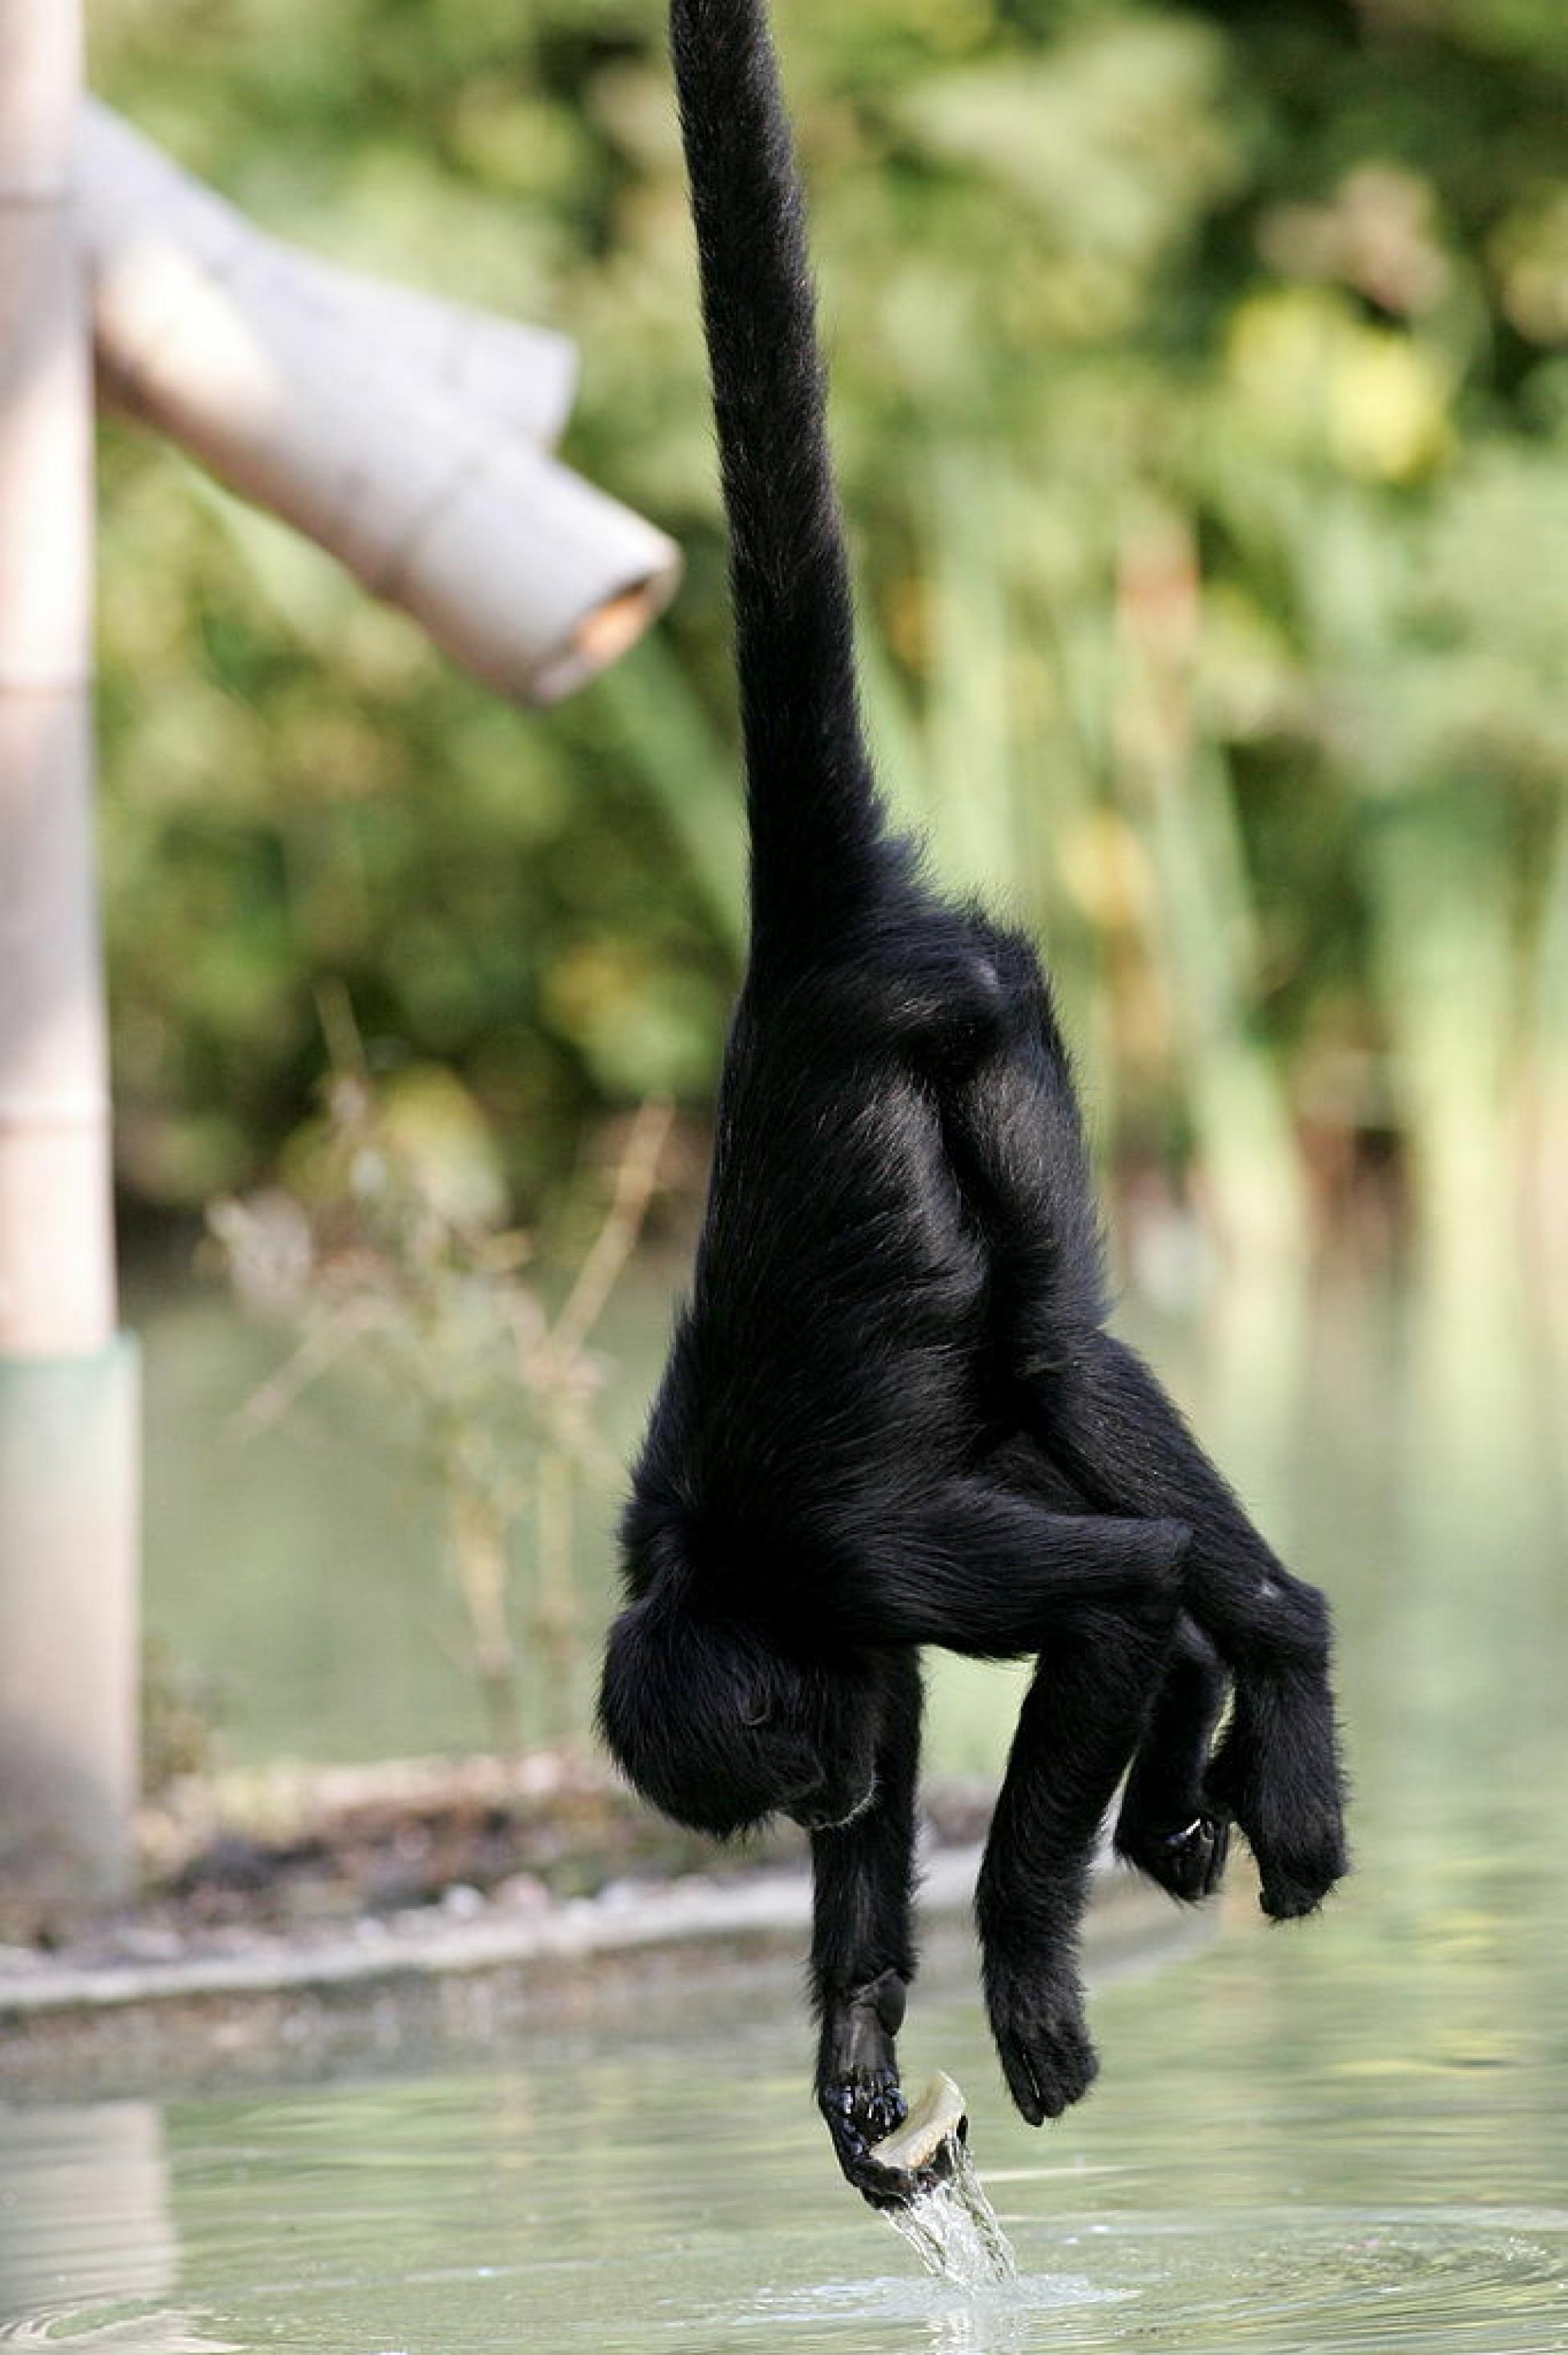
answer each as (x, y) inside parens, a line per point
(1348, 2135)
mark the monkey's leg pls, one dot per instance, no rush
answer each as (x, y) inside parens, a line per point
(1166, 1827)
(1107, 1421)
(1097, 1413)
(863, 1947)
(991, 1574)
(1076, 1733)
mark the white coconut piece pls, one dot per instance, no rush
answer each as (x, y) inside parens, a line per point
(937, 2120)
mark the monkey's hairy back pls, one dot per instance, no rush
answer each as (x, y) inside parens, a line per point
(838, 1357)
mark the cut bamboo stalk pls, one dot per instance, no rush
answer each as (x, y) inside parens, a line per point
(136, 204)
(67, 1391)
(340, 406)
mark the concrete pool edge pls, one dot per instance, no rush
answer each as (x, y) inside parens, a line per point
(292, 2009)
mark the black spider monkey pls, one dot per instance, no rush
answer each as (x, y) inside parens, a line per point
(892, 1415)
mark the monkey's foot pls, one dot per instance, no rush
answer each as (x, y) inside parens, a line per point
(1041, 2042)
(1277, 1772)
(1189, 1864)
(1298, 1862)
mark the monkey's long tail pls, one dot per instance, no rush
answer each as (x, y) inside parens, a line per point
(817, 824)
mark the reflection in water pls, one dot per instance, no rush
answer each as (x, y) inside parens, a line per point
(83, 2203)
(1350, 2139)
(84, 2214)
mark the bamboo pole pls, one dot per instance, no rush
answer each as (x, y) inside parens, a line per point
(66, 1390)
(56, 1271)
(55, 1278)
(401, 435)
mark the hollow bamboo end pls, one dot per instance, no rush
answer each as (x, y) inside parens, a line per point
(602, 636)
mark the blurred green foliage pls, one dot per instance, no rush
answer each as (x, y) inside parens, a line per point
(1202, 396)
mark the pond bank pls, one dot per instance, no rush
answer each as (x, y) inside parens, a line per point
(159, 1998)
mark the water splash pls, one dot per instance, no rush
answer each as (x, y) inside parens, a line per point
(953, 2229)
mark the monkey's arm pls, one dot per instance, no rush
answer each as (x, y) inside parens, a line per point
(989, 1571)
(862, 1951)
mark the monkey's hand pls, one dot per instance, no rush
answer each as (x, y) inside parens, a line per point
(1037, 2019)
(857, 2086)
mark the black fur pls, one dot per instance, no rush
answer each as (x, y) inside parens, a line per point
(892, 1414)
